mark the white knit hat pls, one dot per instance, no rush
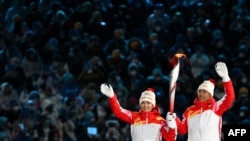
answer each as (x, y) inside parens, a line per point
(207, 85)
(148, 95)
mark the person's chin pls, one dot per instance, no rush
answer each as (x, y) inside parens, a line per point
(201, 99)
(146, 110)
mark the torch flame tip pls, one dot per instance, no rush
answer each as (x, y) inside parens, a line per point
(179, 55)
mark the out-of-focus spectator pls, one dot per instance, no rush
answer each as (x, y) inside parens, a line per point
(245, 41)
(94, 48)
(51, 8)
(93, 71)
(28, 41)
(50, 112)
(33, 14)
(137, 60)
(219, 15)
(78, 26)
(98, 5)
(219, 48)
(89, 115)
(50, 50)
(60, 25)
(180, 46)
(164, 35)
(200, 12)
(139, 12)
(118, 41)
(68, 127)
(17, 7)
(239, 7)
(236, 31)
(18, 28)
(160, 14)
(192, 36)
(5, 131)
(102, 111)
(14, 74)
(82, 13)
(135, 46)
(242, 99)
(69, 86)
(123, 95)
(89, 93)
(8, 94)
(3, 30)
(98, 26)
(243, 116)
(30, 99)
(43, 7)
(117, 81)
(241, 58)
(74, 50)
(122, 16)
(136, 79)
(116, 61)
(200, 61)
(113, 130)
(155, 52)
(32, 63)
(178, 23)
(158, 80)
(10, 50)
(204, 31)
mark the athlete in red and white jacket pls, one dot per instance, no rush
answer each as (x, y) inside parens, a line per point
(147, 124)
(202, 121)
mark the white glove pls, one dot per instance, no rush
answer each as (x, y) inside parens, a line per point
(170, 118)
(222, 71)
(107, 90)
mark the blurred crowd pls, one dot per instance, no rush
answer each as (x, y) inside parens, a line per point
(54, 54)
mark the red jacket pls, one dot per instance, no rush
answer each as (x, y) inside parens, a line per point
(145, 126)
(203, 120)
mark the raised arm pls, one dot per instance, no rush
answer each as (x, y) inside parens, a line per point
(227, 100)
(121, 113)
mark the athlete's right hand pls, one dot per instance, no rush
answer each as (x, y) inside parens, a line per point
(170, 118)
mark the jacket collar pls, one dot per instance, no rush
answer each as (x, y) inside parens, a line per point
(149, 115)
(205, 104)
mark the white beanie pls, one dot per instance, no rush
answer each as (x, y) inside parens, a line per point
(207, 85)
(148, 95)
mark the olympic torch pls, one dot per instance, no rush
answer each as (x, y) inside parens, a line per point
(174, 74)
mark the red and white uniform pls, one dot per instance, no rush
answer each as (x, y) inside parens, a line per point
(203, 120)
(145, 126)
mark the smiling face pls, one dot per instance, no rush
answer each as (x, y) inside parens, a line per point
(203, 95)
(146, 106)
